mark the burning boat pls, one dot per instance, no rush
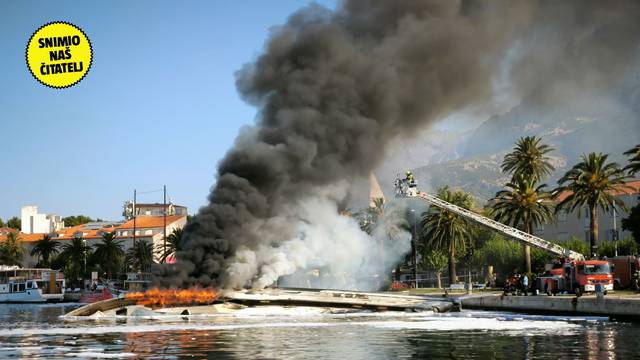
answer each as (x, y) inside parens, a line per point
(209, 301)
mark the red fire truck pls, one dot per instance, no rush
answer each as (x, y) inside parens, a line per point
(626, 272)
(577, 276)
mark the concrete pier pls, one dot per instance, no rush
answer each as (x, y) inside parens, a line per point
(616, 307)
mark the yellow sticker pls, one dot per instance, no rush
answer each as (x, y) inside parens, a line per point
(59, 54)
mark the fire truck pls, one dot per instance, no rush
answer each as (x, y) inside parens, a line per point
(571, 273)
(626, 272)
(577, 276)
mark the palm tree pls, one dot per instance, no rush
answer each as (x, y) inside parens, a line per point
(634, 161)
(524, 205)
(592, 182)
(384, 218)
(175, 243)
(74, 256)
(109, 253)
(527, 162)
(44, 249)
(528, 159)
(384, 222)
(447, 231)
(140, 256)
(11, 250)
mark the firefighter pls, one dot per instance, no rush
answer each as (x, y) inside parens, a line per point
(409, 177)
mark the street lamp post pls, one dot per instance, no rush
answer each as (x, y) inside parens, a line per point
(415, 250)
(614, 231)
(84, 253)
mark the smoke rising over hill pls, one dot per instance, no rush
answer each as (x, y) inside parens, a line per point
(334, 89)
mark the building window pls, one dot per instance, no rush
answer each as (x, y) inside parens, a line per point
(586, 235)
(562, 216)
(587, 214)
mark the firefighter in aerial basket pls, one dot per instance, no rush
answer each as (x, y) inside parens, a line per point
(409, 177)
(411, 183)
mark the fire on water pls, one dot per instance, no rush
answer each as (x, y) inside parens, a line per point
(157, 298)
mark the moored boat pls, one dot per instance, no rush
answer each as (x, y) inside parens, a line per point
(30, 285)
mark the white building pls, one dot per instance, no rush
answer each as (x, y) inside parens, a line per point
(35, 223)
(154, 209)
(570, 224)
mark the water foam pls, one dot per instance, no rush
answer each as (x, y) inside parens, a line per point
(100, 355)
(282, 317)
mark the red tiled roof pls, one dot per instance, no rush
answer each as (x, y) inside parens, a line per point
(25, 237)
(151, 221)
(633, 185)
(69, 233)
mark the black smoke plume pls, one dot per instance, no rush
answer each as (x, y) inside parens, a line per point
(334, 88)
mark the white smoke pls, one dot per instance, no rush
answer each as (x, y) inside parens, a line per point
(326, 250)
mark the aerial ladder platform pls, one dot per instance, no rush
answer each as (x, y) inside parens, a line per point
(408, 188)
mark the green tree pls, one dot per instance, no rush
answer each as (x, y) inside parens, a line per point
(73, 257)
(528, 163)
(592, 182)
(446, 231)
(2, 223)
(528, 159)
(632, 222)
(624, 247)
(76, 220)
(383, 218)
(523, 205)
(436, 261)
(576, 245)
(504, 255)
(14, 223)
(11, 250)
(385, 223)
(140, 256)
(634, 160)
(44, 249)
(175, 243)
(109, 254)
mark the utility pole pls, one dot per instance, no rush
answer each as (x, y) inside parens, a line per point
(134, 218)
(164, 229)
(84, 273)
(615, 231)
(415, 250)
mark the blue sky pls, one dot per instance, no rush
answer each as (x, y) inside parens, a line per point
(159, 105)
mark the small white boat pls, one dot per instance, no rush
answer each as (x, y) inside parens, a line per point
(24, 285)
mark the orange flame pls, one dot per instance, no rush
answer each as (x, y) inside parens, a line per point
(156, 298)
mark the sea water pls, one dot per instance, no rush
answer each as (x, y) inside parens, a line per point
(39, 332)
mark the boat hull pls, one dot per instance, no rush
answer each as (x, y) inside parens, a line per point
(29, 296)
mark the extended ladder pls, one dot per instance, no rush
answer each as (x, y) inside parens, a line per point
(498, 226)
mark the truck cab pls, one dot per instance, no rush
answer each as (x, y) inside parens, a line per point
(589, 273)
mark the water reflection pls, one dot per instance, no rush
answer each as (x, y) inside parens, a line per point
(314, 336)
(601, 342)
